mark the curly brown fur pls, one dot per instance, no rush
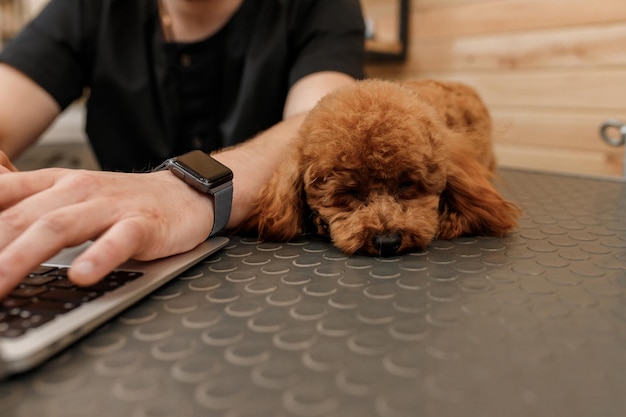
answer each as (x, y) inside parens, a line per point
(382, 168)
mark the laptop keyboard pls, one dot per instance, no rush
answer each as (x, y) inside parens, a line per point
(46, 293)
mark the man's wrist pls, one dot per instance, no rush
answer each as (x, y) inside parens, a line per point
(208, 176)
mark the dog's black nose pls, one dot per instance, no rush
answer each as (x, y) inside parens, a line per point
(388, 244)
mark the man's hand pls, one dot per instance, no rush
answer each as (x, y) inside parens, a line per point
(140, 216)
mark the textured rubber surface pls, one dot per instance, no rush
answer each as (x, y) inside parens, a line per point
(529, 325)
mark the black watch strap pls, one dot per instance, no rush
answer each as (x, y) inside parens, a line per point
(208, 176)
(223, 200)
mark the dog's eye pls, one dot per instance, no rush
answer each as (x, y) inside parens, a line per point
(353, 192)
(408, 189)
(406, 185)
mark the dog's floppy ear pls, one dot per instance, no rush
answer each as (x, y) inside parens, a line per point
(470, 204)
(278, 214)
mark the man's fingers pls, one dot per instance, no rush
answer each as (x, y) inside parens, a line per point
(17, 186)
(30, 196)
(42, 239)
(118, 244)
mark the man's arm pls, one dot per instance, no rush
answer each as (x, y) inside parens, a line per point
(26, 110)
(254, 161)
(141, 216)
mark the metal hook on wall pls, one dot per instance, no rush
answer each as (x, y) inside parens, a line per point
(613, 132)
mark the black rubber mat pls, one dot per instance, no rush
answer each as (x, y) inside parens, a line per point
(529, 325)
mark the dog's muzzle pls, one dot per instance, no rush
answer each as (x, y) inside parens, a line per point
(388, 244)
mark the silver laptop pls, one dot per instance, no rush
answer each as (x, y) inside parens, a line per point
(47, 312)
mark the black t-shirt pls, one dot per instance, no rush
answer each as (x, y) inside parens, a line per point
(149, 100)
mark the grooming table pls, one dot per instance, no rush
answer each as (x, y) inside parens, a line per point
(529, 325)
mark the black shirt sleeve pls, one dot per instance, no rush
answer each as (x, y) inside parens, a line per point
(328, 35)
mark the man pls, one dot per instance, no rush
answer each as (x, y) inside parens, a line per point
(163, 77)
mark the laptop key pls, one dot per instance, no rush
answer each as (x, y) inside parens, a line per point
(105, 285)
(124, 276)
(28, 291)
(62, 282)
(12, 303)
(49, 308)
(38, 280)
(20, 325)
(42, 270)
(9, 332)
(74, 296)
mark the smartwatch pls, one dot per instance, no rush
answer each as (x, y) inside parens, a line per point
(208, 176)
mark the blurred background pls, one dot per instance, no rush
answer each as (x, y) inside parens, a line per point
(550, 71)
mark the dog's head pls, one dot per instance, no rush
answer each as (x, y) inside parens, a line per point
(371, 171)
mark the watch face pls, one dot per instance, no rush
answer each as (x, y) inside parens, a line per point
(204, 168)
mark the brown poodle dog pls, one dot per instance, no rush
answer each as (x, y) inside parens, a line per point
(383, 168)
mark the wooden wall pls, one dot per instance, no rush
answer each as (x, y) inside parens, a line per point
(551, 71)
